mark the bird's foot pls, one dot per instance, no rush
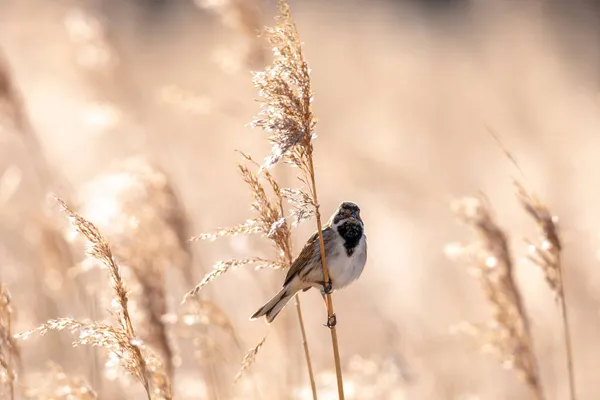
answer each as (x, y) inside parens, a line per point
(331, 321)
(328, 287)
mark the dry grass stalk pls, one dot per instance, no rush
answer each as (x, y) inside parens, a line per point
(286, 116)
(249, 359)
(219, 269)
(136, 207)
(120, 341)
(9, 351)
(270, 221)
(546, 254)
(509, 332)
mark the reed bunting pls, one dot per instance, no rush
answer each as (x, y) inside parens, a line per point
(346, 255)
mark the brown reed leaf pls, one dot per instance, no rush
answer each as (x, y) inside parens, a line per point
(509, 331)
(249, 359)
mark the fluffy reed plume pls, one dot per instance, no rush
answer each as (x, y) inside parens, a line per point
(57, 385)
(546, 254)
(9, 351)
(138, 210)
(121, 342)
(286, 116)
(270, 222)
(508, 333)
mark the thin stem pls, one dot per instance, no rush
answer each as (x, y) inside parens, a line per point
(288, 256)
(330, 313)
(567, 332)
(313, 385)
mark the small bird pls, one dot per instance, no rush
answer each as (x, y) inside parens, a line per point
(346, 255)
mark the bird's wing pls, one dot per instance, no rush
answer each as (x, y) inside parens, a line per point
(309, 253)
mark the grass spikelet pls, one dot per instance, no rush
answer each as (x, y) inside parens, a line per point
(249, 359)
(220, 268)
(509, 331)
(546, 254)
(287, 118)
(137, 208)
(121, 341)
(271, 223)
(248, 227)
(9, 351)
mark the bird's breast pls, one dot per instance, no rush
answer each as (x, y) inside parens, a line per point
(344, 268)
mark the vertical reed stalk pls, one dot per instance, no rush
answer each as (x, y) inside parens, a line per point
(567, 336)
(289, 260)
(547, 255)
(286, 116)
(311, 375)
(330, 313)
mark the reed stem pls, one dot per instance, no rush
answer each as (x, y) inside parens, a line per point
(330, 313)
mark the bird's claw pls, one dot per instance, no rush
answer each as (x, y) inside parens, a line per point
(328, 287)
(331, 321)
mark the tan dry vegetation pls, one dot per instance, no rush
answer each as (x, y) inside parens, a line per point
(403, 95)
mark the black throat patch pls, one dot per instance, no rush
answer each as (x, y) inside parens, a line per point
(351, 232)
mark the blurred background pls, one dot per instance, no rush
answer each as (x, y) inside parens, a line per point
(131, 111)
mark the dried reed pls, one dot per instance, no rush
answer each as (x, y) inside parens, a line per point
(509, 332)
(249, 358)
(546, 254)
(286, 116)
(9, 351)
(270, 221)
(121, 341)
(136, 207)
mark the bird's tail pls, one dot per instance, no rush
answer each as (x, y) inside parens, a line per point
(275, 305)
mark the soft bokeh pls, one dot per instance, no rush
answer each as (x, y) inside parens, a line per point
(406, 94)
